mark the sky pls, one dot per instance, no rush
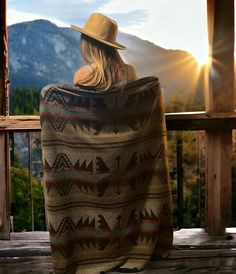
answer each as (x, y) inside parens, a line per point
(171, 24)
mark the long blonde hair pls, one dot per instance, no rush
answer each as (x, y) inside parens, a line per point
(109, 65)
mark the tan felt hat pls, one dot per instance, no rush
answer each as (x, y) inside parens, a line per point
(102, 29)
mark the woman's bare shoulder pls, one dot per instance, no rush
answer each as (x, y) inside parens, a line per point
(132, 74)
(82, 74)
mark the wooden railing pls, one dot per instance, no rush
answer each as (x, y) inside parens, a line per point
(199, 120)
(218, 120)
(190, 121)
(185, 121)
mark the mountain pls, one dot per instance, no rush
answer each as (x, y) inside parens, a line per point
(42, 53)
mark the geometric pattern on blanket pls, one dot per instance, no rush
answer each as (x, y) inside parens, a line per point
(106, 181)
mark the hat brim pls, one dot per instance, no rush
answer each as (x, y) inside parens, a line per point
(112, 44)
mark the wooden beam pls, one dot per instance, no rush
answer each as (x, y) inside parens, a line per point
(200, 120)
(175, 121)
(219, 99)
(3, 61)
(220, 96)
(20, 123)
(4, 188)
(4, 136)
(218, 174)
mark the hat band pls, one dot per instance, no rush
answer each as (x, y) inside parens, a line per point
(102, 35)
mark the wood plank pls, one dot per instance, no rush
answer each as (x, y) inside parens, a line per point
(4, 137)
(30, 236)
(4, 198)
(177, 252)
(175, 121)
(189, 240)
(194, 251)
(26, 265)
(219, 188)
(43, 265)
(3, 59)
(20, 123)
(200, 120)
(219, 97)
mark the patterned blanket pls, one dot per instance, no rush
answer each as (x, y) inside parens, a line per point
(106, 181)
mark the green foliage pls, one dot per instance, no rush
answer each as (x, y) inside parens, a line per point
(176, 103)
(15, 160)
(193, 178)
(21, 200)
(180, 102)
(193, 169)
(24, 101)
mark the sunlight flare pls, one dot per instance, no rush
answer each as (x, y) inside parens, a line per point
(202, 57)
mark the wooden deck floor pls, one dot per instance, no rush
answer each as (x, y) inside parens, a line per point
(194, 252)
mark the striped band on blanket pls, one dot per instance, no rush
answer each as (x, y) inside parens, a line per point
(106, 181)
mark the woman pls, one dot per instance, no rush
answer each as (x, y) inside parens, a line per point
(106, 180)
(105, 67)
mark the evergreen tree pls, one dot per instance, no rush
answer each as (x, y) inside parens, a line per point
(24, 101)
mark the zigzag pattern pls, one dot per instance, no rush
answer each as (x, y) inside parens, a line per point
(163, 177)
(143, 176)
(161, 152)
(53, 96)
(62, 161)
(137, 159)
(134, 122)
(90, 240)
(58, 123)
(67, 225)
(101, 148)
(63, 188)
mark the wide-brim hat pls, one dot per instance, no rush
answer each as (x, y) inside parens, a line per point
(102, 29)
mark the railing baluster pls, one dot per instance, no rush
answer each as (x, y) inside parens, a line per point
(180, 178)
(30, 178)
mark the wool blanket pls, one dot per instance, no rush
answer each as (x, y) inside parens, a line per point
(107, 191)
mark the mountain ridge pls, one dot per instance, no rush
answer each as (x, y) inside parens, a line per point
(40, 53)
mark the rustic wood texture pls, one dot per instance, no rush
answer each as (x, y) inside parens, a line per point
(3, 59)
(219, 188)
(200, 121)
(20, 123)
(219, 97)
(4, 137)
(4, 179)
(194, 251)
(175, 121)
(180, 178)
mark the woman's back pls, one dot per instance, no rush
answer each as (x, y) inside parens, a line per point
(106, 178)
(87, 72)
(105, 67)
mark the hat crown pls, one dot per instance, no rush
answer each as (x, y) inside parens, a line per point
(102, 26)
(102, 29)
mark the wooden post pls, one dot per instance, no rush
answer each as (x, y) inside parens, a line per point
(4, 188)
(4, 137)
(219, 98)
(180, 179)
